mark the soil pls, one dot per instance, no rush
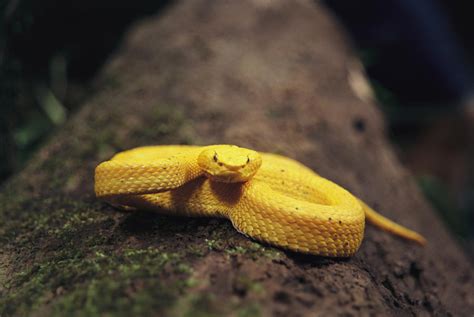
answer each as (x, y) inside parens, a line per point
(266, 75)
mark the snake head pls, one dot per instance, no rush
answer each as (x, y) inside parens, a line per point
(229, 163)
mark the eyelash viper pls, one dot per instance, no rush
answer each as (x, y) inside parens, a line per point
(268, 197)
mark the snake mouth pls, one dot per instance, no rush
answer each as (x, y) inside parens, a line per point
(225, 177)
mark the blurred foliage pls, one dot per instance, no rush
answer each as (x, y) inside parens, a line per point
(438, 194)
(49, 52)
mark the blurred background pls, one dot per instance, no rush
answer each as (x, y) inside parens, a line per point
(418, 56)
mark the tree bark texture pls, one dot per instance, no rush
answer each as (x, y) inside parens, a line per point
(269, 75)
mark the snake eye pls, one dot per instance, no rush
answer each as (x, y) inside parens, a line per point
(248, 159)
(215, 157)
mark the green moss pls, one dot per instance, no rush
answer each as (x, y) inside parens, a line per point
(246, 286)
(208, 305)
(126, 282)
(196, 250)
(63, 251)
(236, 250)
(251, 310)
(202, 305)
(100, 297)
(214, 245)
(255, 250)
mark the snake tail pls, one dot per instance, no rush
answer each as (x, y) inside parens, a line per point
(388, 225)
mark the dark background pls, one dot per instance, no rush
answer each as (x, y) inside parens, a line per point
(418, 56)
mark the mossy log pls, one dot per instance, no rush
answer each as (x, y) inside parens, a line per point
(270, 75)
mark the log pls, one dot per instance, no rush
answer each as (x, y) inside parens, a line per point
(270, 75)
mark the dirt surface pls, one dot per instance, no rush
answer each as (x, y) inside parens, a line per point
(266, 75)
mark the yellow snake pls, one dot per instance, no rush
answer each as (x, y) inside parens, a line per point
(268, 197)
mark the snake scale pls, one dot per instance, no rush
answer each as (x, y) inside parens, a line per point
(268, 197)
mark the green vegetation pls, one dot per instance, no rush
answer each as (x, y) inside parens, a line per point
(94, 284)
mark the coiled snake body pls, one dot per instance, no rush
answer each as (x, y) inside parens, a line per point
(268, 197)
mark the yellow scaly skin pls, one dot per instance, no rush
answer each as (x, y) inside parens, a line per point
(268, 197)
